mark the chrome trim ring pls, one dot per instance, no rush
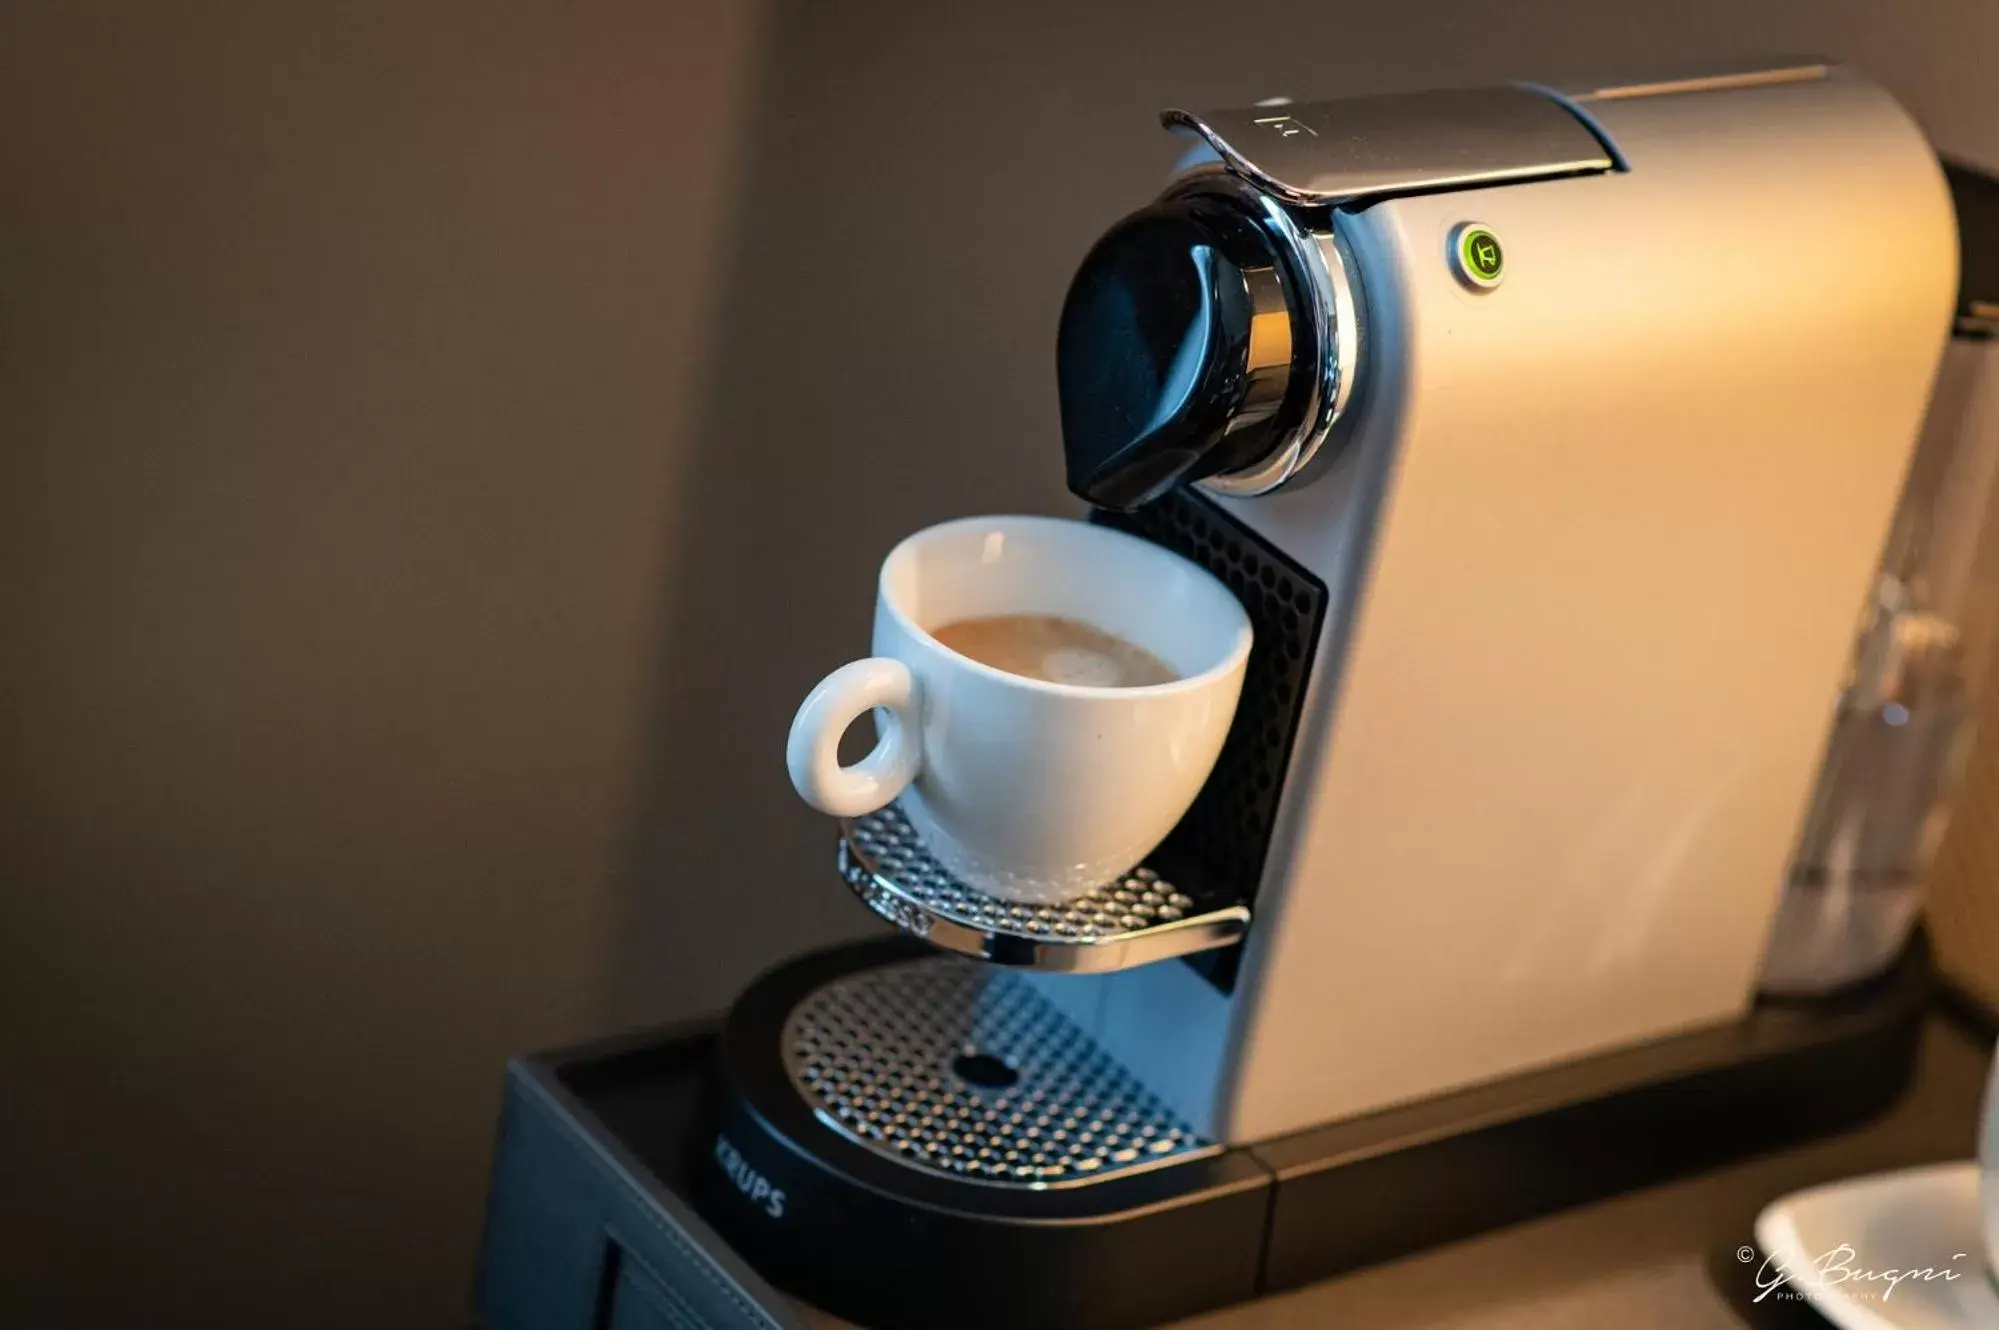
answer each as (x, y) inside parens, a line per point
(1332, 325)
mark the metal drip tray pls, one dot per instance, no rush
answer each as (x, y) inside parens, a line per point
(1138, 919)
(964, 1070)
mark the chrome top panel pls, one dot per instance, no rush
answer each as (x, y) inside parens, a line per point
(1311, 154)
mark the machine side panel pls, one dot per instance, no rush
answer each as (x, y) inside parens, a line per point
(1574, 690)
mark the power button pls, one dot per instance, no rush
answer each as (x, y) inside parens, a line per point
(1477, 256)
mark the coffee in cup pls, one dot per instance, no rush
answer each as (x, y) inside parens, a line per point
(1055, 650)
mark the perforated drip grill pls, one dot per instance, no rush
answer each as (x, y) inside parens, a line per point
(1139, 899)
(960, 1068)
(1223, 840)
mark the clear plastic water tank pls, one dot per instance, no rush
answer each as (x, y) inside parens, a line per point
(1925, 654)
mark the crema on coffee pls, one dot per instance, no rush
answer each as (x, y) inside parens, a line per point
(1055, 650)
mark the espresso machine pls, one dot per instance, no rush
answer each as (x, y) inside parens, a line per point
(1550, 435)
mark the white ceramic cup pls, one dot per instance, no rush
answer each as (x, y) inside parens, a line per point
(1032, 791)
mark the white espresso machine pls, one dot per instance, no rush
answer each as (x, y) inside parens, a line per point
(1588, 408)
(1549, 434)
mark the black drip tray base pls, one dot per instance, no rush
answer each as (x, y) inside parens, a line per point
(676, 1179)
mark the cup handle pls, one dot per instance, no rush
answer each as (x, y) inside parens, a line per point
(813, 750)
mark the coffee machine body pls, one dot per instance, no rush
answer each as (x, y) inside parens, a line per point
(1593, 508)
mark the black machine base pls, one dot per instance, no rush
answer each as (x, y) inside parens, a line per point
(680, 1180)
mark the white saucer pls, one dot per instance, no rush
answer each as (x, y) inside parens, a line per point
(1915, 1220)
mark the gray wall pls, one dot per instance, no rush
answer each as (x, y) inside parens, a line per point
(349, 355)
(438, 446)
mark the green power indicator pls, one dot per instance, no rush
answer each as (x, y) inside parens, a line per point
(1480, 258)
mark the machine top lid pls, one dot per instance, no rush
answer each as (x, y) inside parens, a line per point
(1314, 153)
(1659, 79)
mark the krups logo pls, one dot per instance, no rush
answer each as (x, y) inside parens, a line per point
(1285, 127)
(748, 1181)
